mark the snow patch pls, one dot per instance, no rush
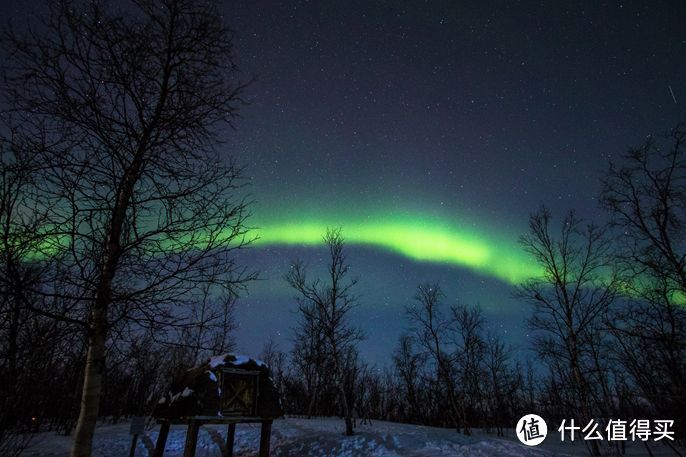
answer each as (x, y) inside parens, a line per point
(213, 377)
(243, 359)
(173, 397)
(217, 360)
(187, 392)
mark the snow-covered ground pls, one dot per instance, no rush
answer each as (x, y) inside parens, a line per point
(322, 437)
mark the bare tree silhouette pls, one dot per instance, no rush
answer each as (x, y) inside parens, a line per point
(645, 193)
(570, 301)
(327, 304)
(124, 110)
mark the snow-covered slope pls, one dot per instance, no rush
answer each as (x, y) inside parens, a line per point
(299, 437)
(322, 437)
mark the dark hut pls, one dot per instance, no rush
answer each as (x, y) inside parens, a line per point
(227, 389)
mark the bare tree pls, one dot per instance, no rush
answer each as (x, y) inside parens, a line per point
(124, 110)
(500, 379)
(645, 193)
(327, 303)
(467, 324)
(455, 347)
(646, 196)
(429, 326)
(275, 359)
(570, 300)
(408, 364)
(310, 359)
(20, 240)
(211, 325)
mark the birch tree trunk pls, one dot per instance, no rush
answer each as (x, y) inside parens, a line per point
(92, 386)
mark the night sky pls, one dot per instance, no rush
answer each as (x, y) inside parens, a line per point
(429, 131)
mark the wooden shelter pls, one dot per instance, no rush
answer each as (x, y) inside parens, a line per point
(226, 389)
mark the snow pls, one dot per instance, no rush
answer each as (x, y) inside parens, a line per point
(213, 377)
(187, 392)
(219, 360)
(174, 397)
(243, 359)
(322, 437)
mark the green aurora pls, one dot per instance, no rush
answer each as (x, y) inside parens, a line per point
(419, 240)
